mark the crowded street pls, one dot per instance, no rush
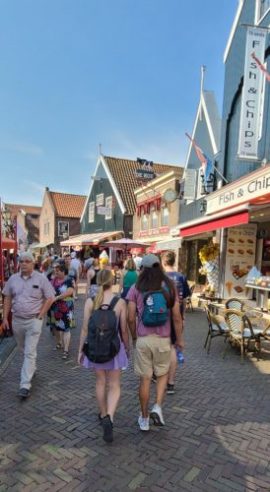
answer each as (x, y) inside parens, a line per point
(216, 437)
(135, 246)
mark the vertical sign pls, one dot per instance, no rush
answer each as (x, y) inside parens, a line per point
(190, 184)
(251, 95)
(240, 258)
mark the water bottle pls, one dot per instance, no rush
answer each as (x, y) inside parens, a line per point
(180, 357)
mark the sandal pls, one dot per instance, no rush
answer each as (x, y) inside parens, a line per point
(58, 346)
(65, 355)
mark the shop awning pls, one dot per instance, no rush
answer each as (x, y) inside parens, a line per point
(174, 243)
(91, 239)
(212, 225)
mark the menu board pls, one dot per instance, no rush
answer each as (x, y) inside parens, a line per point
(240, 258)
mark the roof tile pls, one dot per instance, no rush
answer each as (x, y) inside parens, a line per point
(123, 173)
(67, 205)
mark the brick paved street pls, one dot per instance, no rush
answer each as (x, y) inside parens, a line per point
(217, 434)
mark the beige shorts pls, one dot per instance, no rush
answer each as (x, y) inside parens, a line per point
(152, 354)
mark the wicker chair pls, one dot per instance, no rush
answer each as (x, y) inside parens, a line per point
(242, 332)
(234, 303)
(216, 327)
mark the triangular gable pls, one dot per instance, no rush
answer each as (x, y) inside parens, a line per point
(102, 165)
(206, 130)
(233, 29)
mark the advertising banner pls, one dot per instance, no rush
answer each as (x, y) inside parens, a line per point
(240, 258)
(252, 97)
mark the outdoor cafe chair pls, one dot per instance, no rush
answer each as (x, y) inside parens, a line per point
(216, 327)
(189, 298)
(242, 332)
(234, 303)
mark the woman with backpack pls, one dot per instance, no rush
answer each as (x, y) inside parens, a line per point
(104, 337)
(154, 300)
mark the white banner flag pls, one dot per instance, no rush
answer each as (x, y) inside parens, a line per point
(252, 97)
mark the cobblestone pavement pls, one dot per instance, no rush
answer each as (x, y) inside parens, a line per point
(216, 438)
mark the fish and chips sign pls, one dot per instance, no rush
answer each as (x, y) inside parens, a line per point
(252, 96)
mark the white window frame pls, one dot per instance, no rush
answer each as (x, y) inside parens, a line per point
(154, 212)
(260, 16)
(46, 229)
(100, 200)
(108, 205)
(166, 217)
(91, 212)
(144, 222)
(59, 227)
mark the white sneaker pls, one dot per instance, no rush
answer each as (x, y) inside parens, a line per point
(143, 423)
(156, 415)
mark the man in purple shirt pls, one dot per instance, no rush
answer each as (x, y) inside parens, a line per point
(28, 295)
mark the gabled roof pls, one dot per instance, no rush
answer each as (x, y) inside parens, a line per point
(233, 29)
(210, 114)
(123, 174)
(28, 209)
(67, 205)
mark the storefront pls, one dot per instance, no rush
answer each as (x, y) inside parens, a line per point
(238, 215)
(90, 242)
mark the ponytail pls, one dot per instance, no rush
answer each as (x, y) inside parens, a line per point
(99, 297)
(104, 281)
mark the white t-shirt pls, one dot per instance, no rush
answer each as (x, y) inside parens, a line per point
(76, 264)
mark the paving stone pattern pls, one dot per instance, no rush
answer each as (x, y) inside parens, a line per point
(216, 438)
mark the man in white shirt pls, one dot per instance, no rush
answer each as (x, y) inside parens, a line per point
(77, 266)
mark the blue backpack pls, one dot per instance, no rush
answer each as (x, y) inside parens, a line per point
(155, 311)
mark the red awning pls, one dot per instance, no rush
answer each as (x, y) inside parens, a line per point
(212, 225)
(8, 243)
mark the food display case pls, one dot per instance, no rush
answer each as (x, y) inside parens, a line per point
(262, 287)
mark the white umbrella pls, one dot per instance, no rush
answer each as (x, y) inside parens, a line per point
(125, 243)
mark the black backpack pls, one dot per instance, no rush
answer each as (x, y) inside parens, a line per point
(103, 342)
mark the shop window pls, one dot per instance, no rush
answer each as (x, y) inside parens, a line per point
(91, 212)
(164, 216)
(144, 222)
(154, 220)
(63, 228)
(108, 205)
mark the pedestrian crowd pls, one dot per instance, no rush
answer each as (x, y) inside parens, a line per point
(147, 314)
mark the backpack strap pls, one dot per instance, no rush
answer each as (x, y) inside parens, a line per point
(113, 302)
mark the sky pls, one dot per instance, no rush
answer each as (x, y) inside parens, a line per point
(121, 73)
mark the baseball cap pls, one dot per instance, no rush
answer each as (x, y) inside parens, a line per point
(26, 255)
(149, 261)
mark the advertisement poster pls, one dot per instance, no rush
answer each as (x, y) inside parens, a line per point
(240, 258)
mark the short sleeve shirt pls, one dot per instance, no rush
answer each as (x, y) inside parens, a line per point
(181, 284)
(28, 293)
(163, 331)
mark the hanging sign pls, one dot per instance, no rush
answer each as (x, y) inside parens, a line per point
(190, 180)
(252, 100)
(145, 174)
(104, 210)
